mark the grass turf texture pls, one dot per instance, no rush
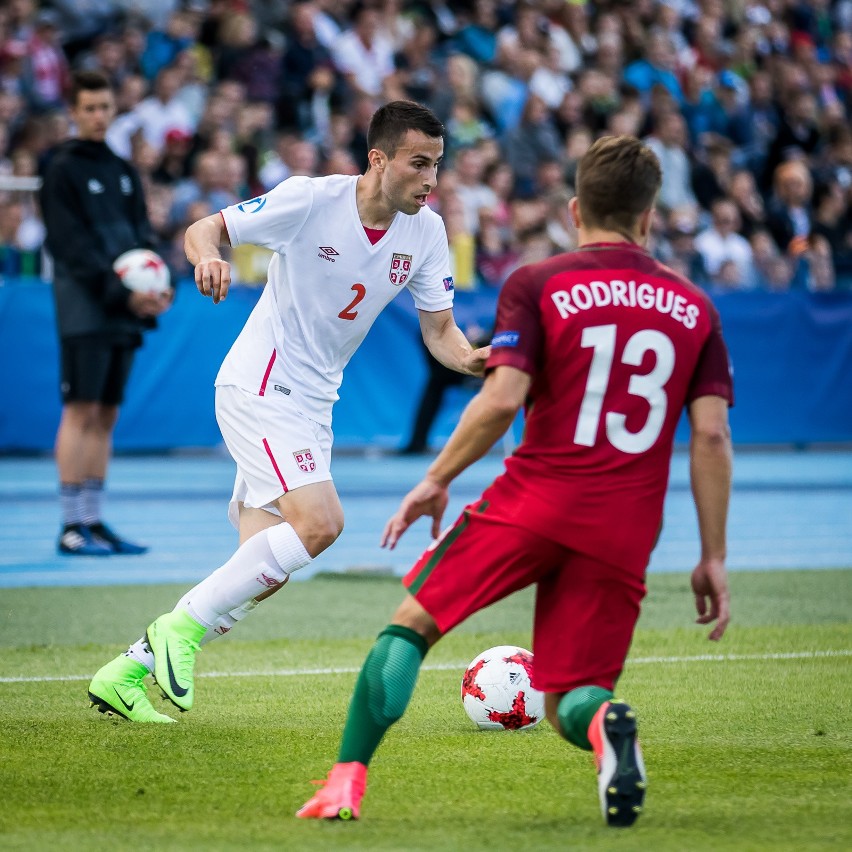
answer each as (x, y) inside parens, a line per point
(742, 754)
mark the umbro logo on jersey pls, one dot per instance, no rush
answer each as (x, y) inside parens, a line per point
(126, 185)
(95, 186)
(328, 253)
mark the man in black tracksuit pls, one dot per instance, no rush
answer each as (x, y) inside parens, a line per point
(94, 210)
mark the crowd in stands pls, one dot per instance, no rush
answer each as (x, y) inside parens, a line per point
(746, 103)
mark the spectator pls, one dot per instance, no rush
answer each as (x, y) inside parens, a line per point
(475, 195)
(505, 89)
(609, 57)
(210, 183)
(767, 272)
(46, 72)
(533, 140)
(681, 253)
(832, 222)
(720, 244)
(163, 111)
(788, 215)
(363, 55)
(496, 257)
(173, 165)
(465, 127)
(559, 228)
(162, 46)
(765, 121)
(500, 179)
(798, 135)
(20, 241)
(669, 142)
(819, 269)
(249, 58)
(656, 68)
(461, 83)
(549, 80)
(743, 191)
(307, 75)
(339, 161)
(108, 56)
(577, 142)
(461, 240)
(476, 37)
(418, 73)
(713, 171)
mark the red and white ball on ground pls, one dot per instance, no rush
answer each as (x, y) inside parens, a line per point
(496, 690)
(142, 270)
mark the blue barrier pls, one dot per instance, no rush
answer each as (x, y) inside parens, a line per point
(792, 357)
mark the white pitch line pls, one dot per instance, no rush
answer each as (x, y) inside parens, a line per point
(443, 667)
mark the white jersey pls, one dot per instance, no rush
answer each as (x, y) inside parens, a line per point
(326, 286)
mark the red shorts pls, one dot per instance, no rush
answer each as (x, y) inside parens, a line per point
(585, 610)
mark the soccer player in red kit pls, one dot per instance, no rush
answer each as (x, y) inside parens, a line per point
(606, 347)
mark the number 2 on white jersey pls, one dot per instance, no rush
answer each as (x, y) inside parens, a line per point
(347, 313)
(601, 338)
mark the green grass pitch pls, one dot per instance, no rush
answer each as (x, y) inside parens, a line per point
(749, 752)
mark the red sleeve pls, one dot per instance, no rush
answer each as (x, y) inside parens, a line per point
(518, 334)
(713, 374)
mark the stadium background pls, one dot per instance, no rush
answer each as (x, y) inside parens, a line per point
(746, 741)
(746, 103)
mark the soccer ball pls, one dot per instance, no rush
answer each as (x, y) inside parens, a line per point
(142, 270)
(496, 691)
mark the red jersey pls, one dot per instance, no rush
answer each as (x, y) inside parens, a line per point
(616, 344)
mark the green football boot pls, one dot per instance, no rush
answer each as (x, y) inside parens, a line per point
(118, 688)
(174, 640)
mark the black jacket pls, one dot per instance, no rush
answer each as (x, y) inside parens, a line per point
(94, 210)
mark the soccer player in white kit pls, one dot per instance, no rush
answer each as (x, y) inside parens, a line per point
(343, 247)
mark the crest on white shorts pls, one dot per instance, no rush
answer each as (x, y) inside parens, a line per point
(305, 460)
(400, 269)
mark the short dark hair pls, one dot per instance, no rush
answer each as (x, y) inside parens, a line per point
(618, 179)
(391, 122)
(88, 81)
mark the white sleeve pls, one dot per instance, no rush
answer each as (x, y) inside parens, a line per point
(432, 284)
(271, 220)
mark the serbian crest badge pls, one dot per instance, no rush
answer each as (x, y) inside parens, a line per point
(400, 269)
(305, 460)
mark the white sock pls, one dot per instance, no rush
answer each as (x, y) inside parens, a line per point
(227, 621)
(261, 563)
(140, 651)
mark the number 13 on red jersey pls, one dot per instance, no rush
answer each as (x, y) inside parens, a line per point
(650, 387)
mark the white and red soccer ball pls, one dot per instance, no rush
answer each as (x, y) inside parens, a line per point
(142, 270)
(496, 690)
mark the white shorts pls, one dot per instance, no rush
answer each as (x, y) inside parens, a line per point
(275, 446)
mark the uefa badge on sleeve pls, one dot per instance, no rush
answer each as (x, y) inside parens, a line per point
(305, 460)
(400, 269)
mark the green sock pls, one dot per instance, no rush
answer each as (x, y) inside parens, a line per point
(576, 711)
(382, 692)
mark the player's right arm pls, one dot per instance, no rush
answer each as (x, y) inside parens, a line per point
(201, 244)
(711, 454)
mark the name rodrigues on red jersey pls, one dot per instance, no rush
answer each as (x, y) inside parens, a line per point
(581, 297)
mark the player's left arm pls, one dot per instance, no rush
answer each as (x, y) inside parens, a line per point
(447, 343)
(486, 418)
